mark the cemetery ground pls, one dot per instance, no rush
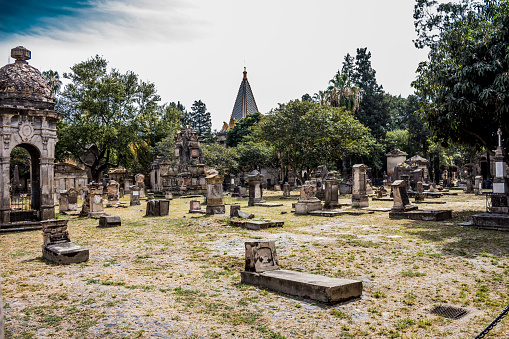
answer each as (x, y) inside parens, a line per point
(178, 276)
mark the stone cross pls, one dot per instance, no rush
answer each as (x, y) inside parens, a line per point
(499, 132)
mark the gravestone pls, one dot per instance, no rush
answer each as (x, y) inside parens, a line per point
(72, 202)
(127, 186)
(109, 221)
(400, 196)
(85, 206)
(168, 195)
(478, 185)
(359, 196)
(157, 208)
(135, 195)
(262, 269)
(234, 211)
(215, 204)
(63, 202)
(277, 188)
(286, 190)
(255, 188)
(307, 201)
(139, 180)
(1, 313)
(331, 192)
(120, 192)
(195, 206)
(112, 188)
(57, 247)
(95, 200)
(419, 195)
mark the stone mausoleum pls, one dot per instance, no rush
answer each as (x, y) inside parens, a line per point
(27, 120)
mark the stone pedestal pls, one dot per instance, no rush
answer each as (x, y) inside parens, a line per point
(112, 192)
(57, 247)
(63, 202)
(307, 201)
(109, 221)
(359, 196)
(478, 185)
(95, 196)
(215, 204)
(135, 196)
(331, 193)
(255, 188)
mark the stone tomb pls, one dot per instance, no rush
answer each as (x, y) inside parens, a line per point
(215, 204)
(256, 224)
(402, 208)
(331, 191)
(93, 202)
(419, 191)
(68, 200)
(255, 188)
(262, 269)
(307, 201)
(113, 192)
(58, 248)
(157, 208)
(359, 195)
(195, 207)
(109, 221)
(135, 195)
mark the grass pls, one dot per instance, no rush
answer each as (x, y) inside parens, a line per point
(184, 270)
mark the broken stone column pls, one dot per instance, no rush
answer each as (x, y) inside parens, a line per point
(57, 247)
(135, 195)
(359, 196)
(478, 185)
(331, 192)
(215, 204)
(400, 196)
(419, 196)
(95, 196)
(255, 188)
(286, 190)
(307, 201)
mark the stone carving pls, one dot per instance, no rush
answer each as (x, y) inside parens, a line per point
(261, 256)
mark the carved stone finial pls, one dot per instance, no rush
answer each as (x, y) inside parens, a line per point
(499, 132)
(21, 54)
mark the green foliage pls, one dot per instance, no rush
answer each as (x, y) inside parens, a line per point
(199, 119)
(306, 134)
(221, 158)
(397, 139)
(110, 118)
(242, 129)
(20, 157)
(463, 84)
(255, 155)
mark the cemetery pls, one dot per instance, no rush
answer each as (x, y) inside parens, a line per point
(131, 218)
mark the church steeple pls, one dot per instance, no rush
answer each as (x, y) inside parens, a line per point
(245, 103)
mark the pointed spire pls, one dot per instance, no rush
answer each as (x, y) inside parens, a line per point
(245, 103)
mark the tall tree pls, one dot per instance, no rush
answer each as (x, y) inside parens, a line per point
(199, 119)
(108, 117)
(242, 129)
(463, 86)
(342, 93)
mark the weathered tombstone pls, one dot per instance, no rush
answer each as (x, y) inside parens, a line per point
(255, 188)
(120, 192)
(419, 196)
(112, 192)
(215, 204)
(286, 190)
(307, 201)
(16, 186)
(109, 221)
(168, 195)
(57, 247)
(135, 195)
(157, 208)
(1, 313)
(95, 196)
(85, 206)
(63, 202)
(72, 199)
(195, 206)
(345, 187)
(242, 191)
(127, 186)
(359, 196)
(331, 192)
(401, 201)
(262, 269)
(277, 188)
(234, 211)
(139, 180)
(478, 185)
(470, 186)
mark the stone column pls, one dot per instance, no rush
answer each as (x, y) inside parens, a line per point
(359, 196)
(215, 204)
(478, 185)
(47, 175)
(255, 188)
(331, 192)
(5, 201)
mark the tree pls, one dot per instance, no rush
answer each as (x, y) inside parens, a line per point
(342, 93)
(255, 155)
(221, 158)
(109, 118)
(306, 134)
(242, 129)
(463, 86)
(199, 119)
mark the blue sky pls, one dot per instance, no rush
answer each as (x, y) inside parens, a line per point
(196, 49)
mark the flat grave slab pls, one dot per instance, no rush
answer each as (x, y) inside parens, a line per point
(432, 194)
(354, 211)
(65, 253)
(109, 221)
(429, 202)
(491, 221)
(321, 288)
(324, 213)
(71, 213)
(256, 225)
(382, 199)
(268, 204)
(376, 209)
(426, 215)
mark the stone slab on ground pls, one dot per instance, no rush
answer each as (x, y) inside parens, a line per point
(71, 213)
(268, 204)
(354, 211)
(256, 225)
(433, 194)
(21, 226)
(450, 193)
(492, 221)
(321, 288)
(426, 215)
(382, 199)
(430, 202)
(324, 213)
(65, 253)
(376, 209)
(109, 221)
(190, 196)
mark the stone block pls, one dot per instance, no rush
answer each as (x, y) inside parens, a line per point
(210, 210)
(65, 253)
(316, 287)
(268, 204)
(360, 200)
(109, 221)
(261, 256)
(306, 206)
(426, 215)
(234, 211)
(494, 221)
(157, 208)
(324, 213)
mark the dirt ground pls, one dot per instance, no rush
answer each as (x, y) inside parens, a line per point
(179, 276)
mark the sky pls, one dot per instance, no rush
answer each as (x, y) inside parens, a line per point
(197, 49)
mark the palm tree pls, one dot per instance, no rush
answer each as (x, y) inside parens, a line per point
(342, 92)
(320, 97)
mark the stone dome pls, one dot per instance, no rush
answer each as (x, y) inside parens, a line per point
(22, 85)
